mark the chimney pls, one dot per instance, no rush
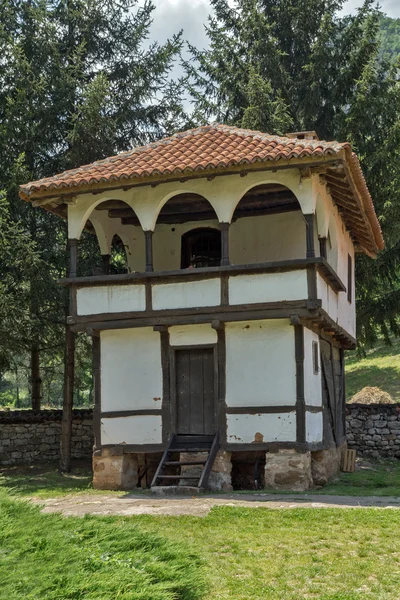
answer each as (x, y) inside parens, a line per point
(303, 135)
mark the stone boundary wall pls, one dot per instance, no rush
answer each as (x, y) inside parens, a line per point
(31, 437)
(374, 429)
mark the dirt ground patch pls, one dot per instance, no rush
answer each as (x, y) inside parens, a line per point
(135, 504)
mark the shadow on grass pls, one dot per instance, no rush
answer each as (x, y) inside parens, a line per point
(44, 480)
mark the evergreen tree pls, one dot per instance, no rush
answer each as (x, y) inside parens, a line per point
(280, 65)
(79, 81)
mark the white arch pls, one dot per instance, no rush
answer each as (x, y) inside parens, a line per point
(170, 195)
(223, 193)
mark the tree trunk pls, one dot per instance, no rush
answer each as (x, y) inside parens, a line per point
(35, 376)
(68, 401)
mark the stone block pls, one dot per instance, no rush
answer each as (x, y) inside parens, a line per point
(115, 472)
(325, 464)
(288, 470)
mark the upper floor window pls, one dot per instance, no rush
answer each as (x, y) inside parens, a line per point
(201, 248)
(349, 278)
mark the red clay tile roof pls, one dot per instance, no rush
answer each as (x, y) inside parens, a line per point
(205, 148)
(209, 147)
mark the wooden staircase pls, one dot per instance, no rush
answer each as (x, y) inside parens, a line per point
(205, 446)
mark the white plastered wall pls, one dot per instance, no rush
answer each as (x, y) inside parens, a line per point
(187, 294)
(192, 335)
(268, 287)
(312, 381)
(267, 238)
(339, 247)
(246, 429)
(314, 427)
(260, 363)
(110, 299)
(138, 429)
(131, 374)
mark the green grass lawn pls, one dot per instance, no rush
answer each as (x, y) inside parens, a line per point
(372, 478)
(231, 554)
(379, 368)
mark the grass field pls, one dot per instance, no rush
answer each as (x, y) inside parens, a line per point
(379, 368)
(231, 554)
(372, 478)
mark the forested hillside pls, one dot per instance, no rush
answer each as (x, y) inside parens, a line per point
(79, 80)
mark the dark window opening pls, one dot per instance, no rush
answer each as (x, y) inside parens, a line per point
(201, 248)
(349, 279)
(315, 358)
(322, 247)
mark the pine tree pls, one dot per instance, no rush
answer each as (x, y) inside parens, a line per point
(280, 65)
(79, 81)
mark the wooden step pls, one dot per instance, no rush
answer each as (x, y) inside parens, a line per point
(179, 477)
(202, 439)
(186, 462)
(189, 449)
(193, 444)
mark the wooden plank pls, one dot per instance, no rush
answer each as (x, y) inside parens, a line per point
(130, 413)
(189, 274)
(300, 399)
(349, 461)
(96, 367)
(162, 461)
(196, 392)
(200, 316)
(166, 404)
(209, 424)
(210, 461)
(310, 224)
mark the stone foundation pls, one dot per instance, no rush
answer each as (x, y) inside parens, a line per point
(220, 476)
(326, 464)
(288, 470)
(113, 470)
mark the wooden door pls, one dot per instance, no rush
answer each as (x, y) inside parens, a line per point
(195, 391)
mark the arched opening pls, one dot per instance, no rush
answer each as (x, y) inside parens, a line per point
(118, 258)
(201, 247)
(186, 234)
(267, 225)
(119, 235)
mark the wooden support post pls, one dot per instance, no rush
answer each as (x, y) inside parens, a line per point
(106, 263)
(149, 250)
(69, 370)
(96, 365)
(300, 399)
(224, 227)
(310, 235)
(73, 257)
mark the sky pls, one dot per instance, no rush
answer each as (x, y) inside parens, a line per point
(190, 15)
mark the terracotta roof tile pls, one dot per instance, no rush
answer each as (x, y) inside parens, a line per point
(195, 150)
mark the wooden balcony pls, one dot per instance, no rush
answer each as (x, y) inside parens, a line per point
(237, 292)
